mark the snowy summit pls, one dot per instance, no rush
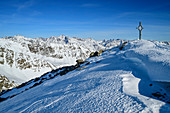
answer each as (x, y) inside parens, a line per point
(132, 77)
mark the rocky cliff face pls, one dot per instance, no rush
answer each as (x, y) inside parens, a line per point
(21, 60)
(166, 42)
(5, 83)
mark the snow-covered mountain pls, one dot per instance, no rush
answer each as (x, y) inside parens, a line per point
(132, 78)
(166, 42)
(22, 59)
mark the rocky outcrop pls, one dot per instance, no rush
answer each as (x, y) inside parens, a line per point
(21, 61)
(2, 50)
(122, 45)
(97, 53)
(80, 61)
(166, 42)
(6, 55)
(5, 83)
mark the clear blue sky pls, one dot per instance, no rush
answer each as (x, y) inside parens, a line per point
(97, 19)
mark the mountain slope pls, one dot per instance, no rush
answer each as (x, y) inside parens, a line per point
(22, 59)
(116, 81)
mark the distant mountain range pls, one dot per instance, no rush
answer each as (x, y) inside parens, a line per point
(22, 58)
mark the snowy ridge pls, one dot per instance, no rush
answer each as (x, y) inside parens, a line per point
(39, 80)
(151, 55)
(22, 58)
(116, 81)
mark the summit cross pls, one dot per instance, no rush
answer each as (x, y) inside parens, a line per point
(140, 30)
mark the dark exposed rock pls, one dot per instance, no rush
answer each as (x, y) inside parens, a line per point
(98, 61)
(2, 62)
(162, 97)
(122, 46)
(9, 57)
(150, 84)
(5, 83)
(97, 53)
(80, 61)
(2, 49)
(2, 99)
(158, 95)
(92, 54)
(57, 56)
(166, 42)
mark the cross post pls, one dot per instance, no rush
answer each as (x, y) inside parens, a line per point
(140, 30)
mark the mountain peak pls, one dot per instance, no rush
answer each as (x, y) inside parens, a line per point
(17, 38)
(62, 36)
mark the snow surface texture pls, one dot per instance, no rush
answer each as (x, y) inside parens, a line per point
(116, 81)
(22, 59)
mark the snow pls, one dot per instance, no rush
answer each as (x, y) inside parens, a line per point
(130, 84)
(69, 49)
(153, 56)
(116, 81)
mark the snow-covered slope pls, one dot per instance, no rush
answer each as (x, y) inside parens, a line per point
(22, 59)
(117, 81)
(151, 55)
(18, 64)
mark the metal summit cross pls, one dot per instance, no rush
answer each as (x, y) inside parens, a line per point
(140, 30)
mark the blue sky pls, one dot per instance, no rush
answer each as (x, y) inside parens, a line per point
(97, 19)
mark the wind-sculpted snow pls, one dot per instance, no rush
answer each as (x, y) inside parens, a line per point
(116, 81)
(154, 56)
